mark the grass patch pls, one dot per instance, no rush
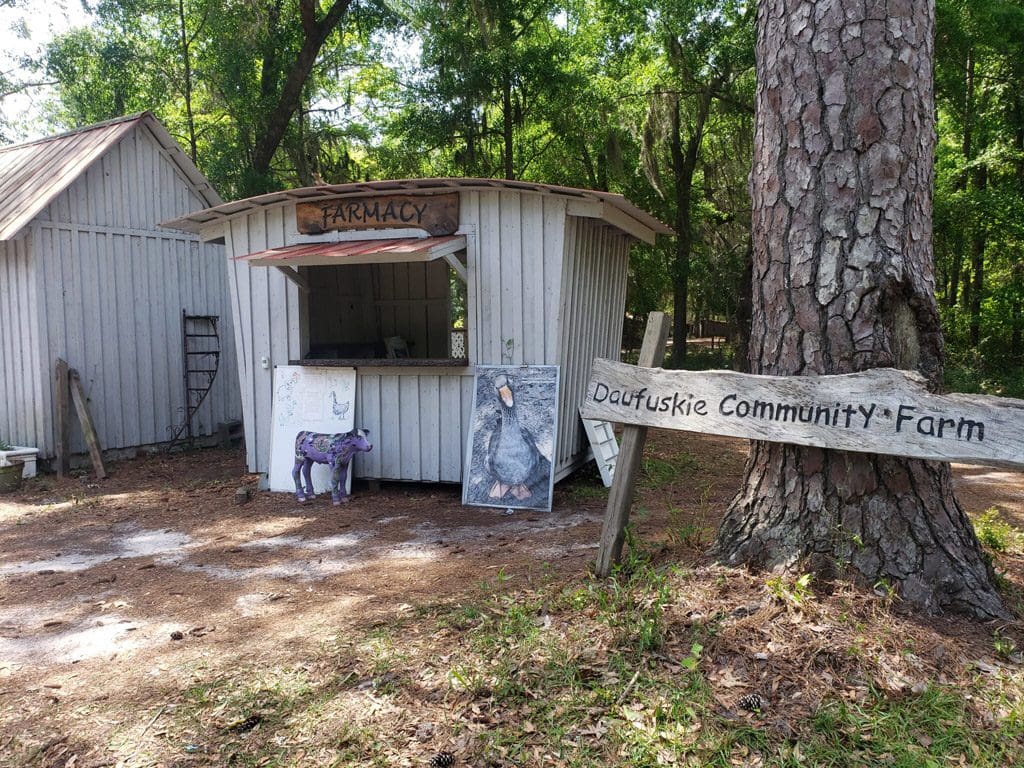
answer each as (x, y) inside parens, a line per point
(995, 533)
(658, 471)
(647, 668)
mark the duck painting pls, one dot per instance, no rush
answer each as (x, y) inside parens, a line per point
(512, 438)
(513, 458)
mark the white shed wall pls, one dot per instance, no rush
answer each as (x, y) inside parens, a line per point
(594, 275)
(109, 288)
(134, 186)
(268, 313)
(21, 418)
(419, 417)
(515, 275)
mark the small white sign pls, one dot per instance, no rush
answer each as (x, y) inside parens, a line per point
(308, 399)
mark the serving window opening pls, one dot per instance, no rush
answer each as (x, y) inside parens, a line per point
(404, 313)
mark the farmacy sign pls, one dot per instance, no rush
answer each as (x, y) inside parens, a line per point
(877, 411)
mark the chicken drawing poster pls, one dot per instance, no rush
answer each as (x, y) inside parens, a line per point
(510, 456)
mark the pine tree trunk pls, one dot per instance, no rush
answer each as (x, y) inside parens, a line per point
(843, 282)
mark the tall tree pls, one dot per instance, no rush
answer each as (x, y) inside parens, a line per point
(843, 281)
(489, 72)
(705, 49)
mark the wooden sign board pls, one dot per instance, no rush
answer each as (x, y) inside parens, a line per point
(878, 411)
(437, 214)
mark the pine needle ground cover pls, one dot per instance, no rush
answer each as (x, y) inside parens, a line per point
(652, 668)
(517, 659)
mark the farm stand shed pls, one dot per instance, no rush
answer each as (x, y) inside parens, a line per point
(461, 272)
(86, 275)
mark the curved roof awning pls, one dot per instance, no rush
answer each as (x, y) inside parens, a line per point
(357, 252)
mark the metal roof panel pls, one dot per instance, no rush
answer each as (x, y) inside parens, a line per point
(33, 174)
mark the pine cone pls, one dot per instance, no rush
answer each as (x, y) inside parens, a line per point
(752, 702)
(442, 760)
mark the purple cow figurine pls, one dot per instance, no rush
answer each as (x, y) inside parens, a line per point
(335, 450)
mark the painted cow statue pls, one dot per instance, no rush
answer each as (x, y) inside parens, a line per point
(334, 450)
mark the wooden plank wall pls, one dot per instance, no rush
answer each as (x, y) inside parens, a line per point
(118, 321)
(268, 312)
(514, 274)
(21, 369)
(134, 186)
(594, 299)
(418, 422)
(123, 283)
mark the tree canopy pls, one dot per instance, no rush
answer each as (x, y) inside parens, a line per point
(653, 100)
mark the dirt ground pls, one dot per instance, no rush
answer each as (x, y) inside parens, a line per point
(115, 595)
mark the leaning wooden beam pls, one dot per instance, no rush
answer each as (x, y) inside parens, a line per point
(294, 276)
(62, 391)
(620, 498)
(458, 266)
(88, 429)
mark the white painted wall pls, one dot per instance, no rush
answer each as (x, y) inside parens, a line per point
(105, 289)
(21, 419)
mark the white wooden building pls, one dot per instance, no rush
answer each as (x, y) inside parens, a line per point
(540, 271)
(86, 275)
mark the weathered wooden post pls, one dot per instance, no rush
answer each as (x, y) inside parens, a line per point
(88, 427)
(62, 389)
(620, 499)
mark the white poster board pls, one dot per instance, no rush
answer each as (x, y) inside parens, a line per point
(313, 399)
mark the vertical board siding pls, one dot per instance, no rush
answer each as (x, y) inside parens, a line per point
(135, 185)
(265, 308)
(515, 275)
(117, 320)
(21, 421)
(594, 276)
(106, 289)
(418, 423)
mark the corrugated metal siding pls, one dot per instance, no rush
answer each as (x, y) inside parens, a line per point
(418, 422)
(594, 275)
(21, 419)
(31, 174)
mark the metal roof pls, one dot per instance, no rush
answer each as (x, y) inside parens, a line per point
(195, 221)
(34, 173)
(358, 251)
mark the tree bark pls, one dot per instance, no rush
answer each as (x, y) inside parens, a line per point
(507, 146)
(843, 281)
(979, 239)
(186, 56)
(282, 102)
(684, 166)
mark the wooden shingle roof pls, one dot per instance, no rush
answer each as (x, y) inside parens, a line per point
(34, 173)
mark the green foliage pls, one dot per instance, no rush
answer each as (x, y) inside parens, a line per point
(793, 592)
(979, 193)
(995, 533)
